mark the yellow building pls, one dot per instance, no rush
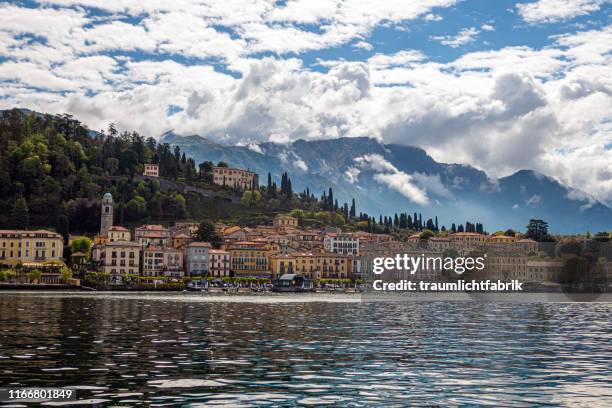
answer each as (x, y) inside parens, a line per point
(281, 264)
(120, 257)
(19, 246)
(467, 239)
(118, 233)
(180, 240)
(235, 178)
(326, 265)
(501, 239)
(100, 239)
(249, 259)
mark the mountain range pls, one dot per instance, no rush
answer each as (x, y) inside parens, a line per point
(390, 178)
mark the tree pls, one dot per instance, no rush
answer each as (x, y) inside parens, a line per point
(538, 231)
(136, 208)
(426, 234)
(250, 198)
(34, 275)
(65, 274)
(510, 233)
(20, 215)
(206, 233)
(81, 244)
(222, 164)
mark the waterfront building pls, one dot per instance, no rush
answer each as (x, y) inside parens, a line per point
(162, 261)
(281, 264)
(235, 178)
(106, 215)
(173, 262)
(341, 243)
(249, 259)
(118, 257)
(151, 234)
(151, 170)
(327, 265)
(219, 263)
(21, 246)
(118, 233)
(153, 261)
(197, 259)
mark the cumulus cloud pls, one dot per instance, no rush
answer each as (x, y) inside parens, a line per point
(234, 72)
(550, 11)
(363, 45)
(433, 17)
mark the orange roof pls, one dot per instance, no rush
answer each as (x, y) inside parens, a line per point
(231, 230)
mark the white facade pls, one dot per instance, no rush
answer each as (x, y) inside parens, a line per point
(345, 244)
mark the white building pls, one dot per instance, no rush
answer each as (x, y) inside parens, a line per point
(339, 243)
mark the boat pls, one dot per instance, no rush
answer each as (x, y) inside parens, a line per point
(291, 282)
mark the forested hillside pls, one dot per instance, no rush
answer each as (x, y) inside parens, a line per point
(53, 171)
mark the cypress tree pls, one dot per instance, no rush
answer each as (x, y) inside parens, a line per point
(20, 214)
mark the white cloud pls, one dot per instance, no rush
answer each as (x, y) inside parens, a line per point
(433, 17)
(387, 174)
(404, 184)
(352, 175)
(363, 45)
(254, 147)
(499, 110)
(465, 36)
(533, 200)
(550, 11)
(487, 27)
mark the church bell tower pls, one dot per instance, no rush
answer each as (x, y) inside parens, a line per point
(106, 217)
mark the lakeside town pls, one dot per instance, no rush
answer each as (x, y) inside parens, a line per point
(282, 255)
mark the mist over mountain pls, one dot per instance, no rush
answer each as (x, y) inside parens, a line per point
(389, 178)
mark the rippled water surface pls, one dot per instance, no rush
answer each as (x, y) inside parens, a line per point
(184, 350)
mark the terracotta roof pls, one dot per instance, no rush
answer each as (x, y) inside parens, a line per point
(199, 244)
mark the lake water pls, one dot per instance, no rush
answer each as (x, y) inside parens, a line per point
(301, 350)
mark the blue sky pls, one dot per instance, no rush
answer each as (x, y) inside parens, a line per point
(500, 85)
